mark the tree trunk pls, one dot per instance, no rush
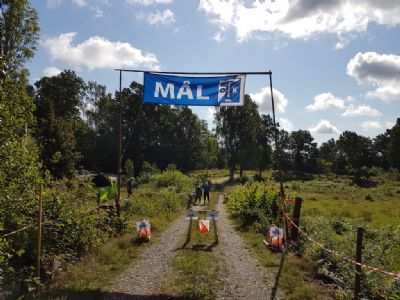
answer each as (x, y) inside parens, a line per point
(231, 174)
(241, 171)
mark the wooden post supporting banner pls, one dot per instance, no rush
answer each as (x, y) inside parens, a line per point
(118, 199)
(357, 282)
(296, 219)
(39, 231)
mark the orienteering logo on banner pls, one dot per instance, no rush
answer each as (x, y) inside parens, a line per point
(228, 89)
(196, 91)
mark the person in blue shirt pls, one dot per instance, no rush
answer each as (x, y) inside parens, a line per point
(206, 192)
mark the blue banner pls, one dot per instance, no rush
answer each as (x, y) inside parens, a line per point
(200, 91)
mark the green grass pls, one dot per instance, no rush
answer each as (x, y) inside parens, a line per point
(332, 197)
(336, 197)
(89, 277)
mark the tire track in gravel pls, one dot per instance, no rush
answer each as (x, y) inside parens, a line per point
(147, 272)
(241, 276)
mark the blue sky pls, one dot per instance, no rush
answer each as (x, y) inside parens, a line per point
(335, 63)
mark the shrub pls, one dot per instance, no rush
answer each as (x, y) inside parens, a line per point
(174, 179)
(171, 167)
(254, 202)
(381, 248)
(148, 171)
(147, 203)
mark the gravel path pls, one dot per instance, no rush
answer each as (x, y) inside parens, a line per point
(147, 272)
(241, 277)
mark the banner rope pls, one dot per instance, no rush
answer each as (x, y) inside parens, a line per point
(349, 260)
(16, 231)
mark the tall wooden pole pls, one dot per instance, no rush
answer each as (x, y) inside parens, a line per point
(357, 281)
(39, 230)
(296, 218)
(278, 162)
(118, 199)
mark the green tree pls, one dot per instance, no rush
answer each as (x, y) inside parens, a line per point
(264, 141)
(303, 150)
(237, 129)
(19, 34)
(19, 165)
(380, 148)
(394, 145)
(128, 168)
(59, 99)
(355, 149)
(284, 158)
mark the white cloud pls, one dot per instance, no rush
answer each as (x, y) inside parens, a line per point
(157, 18)
(80, 3)
(386, 93)
(218, 37)
(324, 127)
(97, 52)
(263, 100)
(54, 3)
(51, 71)
(370, 125)
(98, 12)
(361, 110)
(380, 70)
(325, 101)
(210, 116)
(286, 124)
(351, 99)
(300, 18)
(389, 124)
(148, 2)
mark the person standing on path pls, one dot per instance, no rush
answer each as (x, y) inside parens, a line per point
(197, 194)
(129, 187)
(206, 191)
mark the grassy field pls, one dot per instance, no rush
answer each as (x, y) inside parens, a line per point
(336, 197)
(332, 197)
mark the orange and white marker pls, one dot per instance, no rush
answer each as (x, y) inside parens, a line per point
(204, 226)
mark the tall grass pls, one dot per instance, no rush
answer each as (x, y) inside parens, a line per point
(333, 209)
(160, 201)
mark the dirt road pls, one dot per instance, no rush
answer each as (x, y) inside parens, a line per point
(241, 277)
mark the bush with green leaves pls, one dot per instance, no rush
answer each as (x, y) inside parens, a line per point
(255, 202)
(19, 183)
(174, 179)
(148, 171)
(74, 222)
(381, 248)
(150, 204)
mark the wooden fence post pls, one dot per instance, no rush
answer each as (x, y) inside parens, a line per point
(39, 230)
(215, 231)
(296, 218)
(357, 281)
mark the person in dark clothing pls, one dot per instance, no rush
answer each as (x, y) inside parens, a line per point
(129, 186)
(197, 194)
(206, 190)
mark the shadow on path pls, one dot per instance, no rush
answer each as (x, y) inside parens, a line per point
(198, 247)
(68, 294)
(278, 277)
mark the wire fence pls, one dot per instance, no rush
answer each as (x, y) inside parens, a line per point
(340, 255)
